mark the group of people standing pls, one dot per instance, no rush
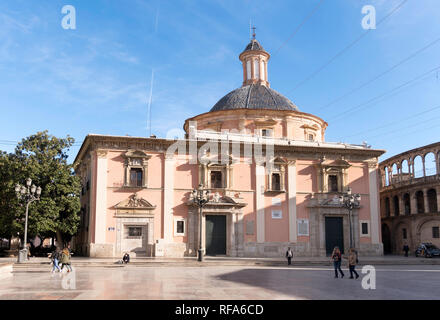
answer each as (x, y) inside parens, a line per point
(336, 257)
(61, 257)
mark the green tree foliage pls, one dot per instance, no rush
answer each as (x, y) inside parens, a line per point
(43, 158)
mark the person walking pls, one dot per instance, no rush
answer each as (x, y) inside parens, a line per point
(65, 259)
(352, 261)
(406, 249)
(337, 257)
(55, 257)
(289, 255)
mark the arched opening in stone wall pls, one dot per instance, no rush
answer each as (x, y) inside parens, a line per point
(430, 164)
(395, 173)
(405, 170)
(420, 202)
(432, 200)
(387, 207)
(387, 177)
(386, 239)
(407, 203)
(418, 167)
(396, 206)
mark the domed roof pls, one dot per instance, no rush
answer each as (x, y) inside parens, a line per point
(254, 96)
(254, 45)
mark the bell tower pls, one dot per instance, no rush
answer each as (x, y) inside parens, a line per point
(254, 59)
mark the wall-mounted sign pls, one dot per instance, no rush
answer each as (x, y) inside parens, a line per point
(276, 201)
(303, 227)
(277, 214)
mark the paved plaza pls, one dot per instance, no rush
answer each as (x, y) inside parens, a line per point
(218, 282)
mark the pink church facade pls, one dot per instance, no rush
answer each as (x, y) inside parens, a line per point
(273, 183)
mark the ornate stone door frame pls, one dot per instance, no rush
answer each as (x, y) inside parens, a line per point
(135, 211)
(234, 225)
(319, 210)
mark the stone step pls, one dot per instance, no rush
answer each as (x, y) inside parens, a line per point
(38, 266)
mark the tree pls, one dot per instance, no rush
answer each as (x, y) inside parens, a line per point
(43, 158)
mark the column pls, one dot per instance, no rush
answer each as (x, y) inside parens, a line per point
(232, 234)
(101, 196)
(425, 199)
(413, 200)
(401, 205)
(374, 203)
(437, 190)
(259, 201)
(291, 194)
(168, 198)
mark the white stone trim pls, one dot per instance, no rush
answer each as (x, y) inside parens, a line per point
(291, 194)
(168, 198)
(259, 199)
(374, 204)
(360, 228)
(101, 196)
(176, 234)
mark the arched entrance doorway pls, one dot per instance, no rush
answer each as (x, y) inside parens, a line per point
(386, 239)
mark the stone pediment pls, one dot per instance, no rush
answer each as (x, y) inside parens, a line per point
(265, 122)
(134, 205)
(136, 154)
(335, 163)
(218, 200)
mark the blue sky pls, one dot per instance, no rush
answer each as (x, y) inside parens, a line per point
(96, 78)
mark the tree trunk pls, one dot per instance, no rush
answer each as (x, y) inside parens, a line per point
(60, 243)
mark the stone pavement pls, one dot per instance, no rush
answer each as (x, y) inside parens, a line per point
(218, 282)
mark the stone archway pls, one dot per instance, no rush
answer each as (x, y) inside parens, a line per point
(386, 239)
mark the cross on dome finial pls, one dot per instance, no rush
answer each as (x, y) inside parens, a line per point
(253, 34)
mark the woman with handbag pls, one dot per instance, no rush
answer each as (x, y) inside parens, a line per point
(337, 258)
(352, 261)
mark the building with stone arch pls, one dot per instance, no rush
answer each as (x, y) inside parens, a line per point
(409, 197)
(273, 182)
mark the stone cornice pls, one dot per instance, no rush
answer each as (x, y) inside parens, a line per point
(155, 145)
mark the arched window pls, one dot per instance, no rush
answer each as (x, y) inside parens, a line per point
(395, 173)
(418, 167)
(420, 202)
(407, 203)
(396, 206)
(430, 164)
(387, 207)
(432, 200)
(256, 69)
(387, 177)
(263, 70)
(405, 170)
(248, 69)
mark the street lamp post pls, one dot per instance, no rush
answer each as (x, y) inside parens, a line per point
(29, 194)
(200, 198)
(350, 201)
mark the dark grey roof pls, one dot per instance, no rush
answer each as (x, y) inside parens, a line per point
(254, 45)
(254, 96)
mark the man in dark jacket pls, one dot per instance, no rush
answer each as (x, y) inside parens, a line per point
(126, 258)
(289, 255)
(406, 249)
